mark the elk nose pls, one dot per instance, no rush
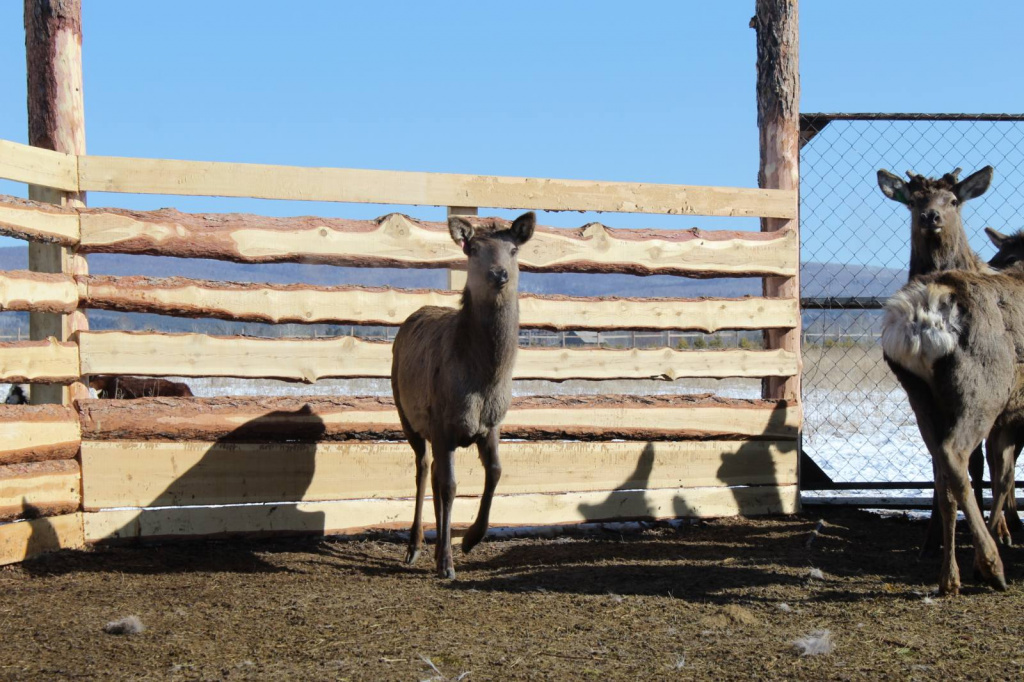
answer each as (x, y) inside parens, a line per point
(931, 217)
(498, 277)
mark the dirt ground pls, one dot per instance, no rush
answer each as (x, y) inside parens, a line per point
(716, 600)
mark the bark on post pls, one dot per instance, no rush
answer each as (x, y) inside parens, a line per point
(56, 120)
(778, 120)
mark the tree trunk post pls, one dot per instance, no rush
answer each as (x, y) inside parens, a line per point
(778, 121)
(56, 120)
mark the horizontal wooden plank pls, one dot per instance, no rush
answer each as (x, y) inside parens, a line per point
(38, 221)
(36, 433)
(325, 518)
(141, 474)
(205, 178)
(317, 418)
(397, 240)
(308, 360)
(25, 539)
(36, 166)
(37, 291)
(40, 489)
(385, 306)
(39, 361)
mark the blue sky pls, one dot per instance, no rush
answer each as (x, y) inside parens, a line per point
(657, 91)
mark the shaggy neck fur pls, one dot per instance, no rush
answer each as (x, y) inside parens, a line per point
(947, 250)
(490, 331)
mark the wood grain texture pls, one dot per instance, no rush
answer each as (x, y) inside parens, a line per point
(326, 518)
(385, 306)
(26, 290)
(307, 360)
(142, 474)
(39, 361)
(38, 221)
(317, 418)
(26, 539)
(40, 489)
(35, 166)
(36, 433)
(205, 178)
(778, 122)
(396, 240)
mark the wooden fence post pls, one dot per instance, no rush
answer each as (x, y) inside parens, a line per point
(56, 120)
(778, 121)
(457, 276)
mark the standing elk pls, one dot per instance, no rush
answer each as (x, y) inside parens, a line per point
(938, 242)
(451, 375)
(955, 339)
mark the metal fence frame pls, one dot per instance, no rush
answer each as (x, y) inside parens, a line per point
(814, 478)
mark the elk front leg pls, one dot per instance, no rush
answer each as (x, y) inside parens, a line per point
(488, 449)
(444, 501)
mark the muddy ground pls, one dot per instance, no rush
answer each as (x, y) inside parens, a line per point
(716, 600)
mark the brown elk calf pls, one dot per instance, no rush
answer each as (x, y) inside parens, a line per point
(451, 376)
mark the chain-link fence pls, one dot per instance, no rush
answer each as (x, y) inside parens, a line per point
(855, 251)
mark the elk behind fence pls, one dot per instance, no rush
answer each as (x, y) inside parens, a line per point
(855, 251)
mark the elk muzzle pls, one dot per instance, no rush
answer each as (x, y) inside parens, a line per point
(497, 277)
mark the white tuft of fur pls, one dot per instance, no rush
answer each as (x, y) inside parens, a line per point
(817, 643)
(129, 625)
(784, 607)
(815, 574)
(921, 325)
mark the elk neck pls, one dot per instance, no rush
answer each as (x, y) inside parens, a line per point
(946, 251)
(490, 330)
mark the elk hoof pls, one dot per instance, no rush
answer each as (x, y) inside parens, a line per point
(469, 541)
(997, 582)
(446, 573)
(412, 555)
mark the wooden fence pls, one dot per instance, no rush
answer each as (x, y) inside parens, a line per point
(161, 467)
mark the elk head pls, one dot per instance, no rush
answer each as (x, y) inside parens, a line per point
(493, 263)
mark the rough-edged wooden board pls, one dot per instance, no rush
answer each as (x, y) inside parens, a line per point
(396, 240)
(508, 510)
(40, 489)
(307, 360)
(36, 166)
(36, 433)
(38, 221)
(297, 303)
(37, 291)
(140, 474)
(39, 361)
(205, 178)
(318, 418)
(25, 539)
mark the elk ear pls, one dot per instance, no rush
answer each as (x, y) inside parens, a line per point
(461, 230)
(974, 185)
(996, 237)
(893, 187)
(522, 227)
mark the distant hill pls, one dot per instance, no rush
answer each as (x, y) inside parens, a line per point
(818, 279)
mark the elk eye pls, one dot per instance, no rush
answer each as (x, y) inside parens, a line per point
(955, 202)
(515, 250)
